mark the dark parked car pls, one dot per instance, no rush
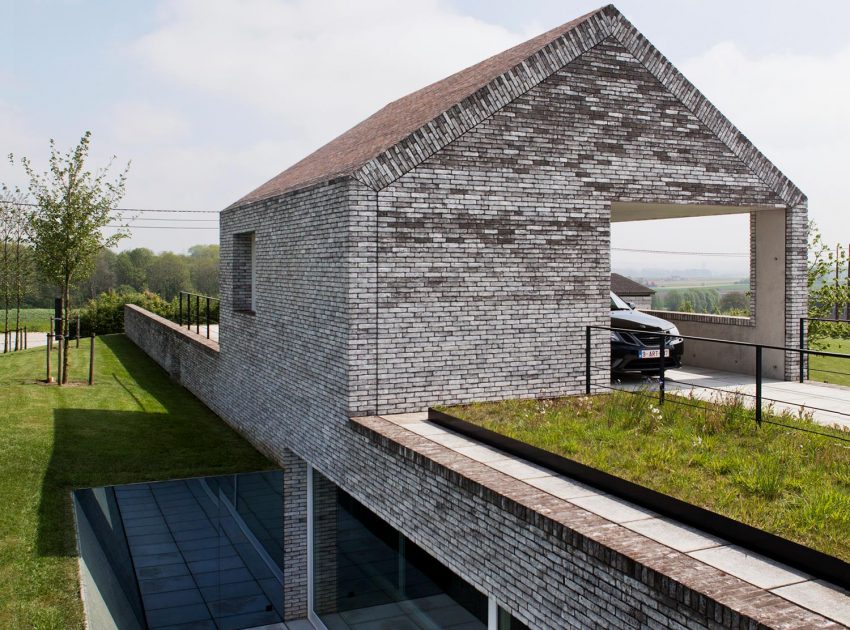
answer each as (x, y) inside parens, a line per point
(634, 348)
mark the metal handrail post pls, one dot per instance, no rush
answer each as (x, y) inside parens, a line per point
(758, 385)
(180, 308)
(802, 347)
(587, 360)
(208, 317)
(661, 346)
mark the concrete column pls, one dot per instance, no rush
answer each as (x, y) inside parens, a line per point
(294, 536)
(770, 287)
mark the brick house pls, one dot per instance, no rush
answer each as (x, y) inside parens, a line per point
(453, 247)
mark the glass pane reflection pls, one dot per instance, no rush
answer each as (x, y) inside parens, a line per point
(368, 575)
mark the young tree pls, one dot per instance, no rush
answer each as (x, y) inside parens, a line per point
(829, 291)
(72, 206)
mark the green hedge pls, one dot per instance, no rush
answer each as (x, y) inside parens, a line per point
(105, 314)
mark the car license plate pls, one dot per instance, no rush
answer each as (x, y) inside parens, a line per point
(652, 354)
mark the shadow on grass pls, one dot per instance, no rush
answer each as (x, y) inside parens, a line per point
(99, 447)
(145, 372)
(94, 448)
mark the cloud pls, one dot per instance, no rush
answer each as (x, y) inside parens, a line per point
(794, 108)
(139, 123)
(318, 66)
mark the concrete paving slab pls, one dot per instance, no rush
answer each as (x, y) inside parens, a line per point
(407, 418)
(820, 597)
(451, 440)
(562, 487)
(424, 428)
(519, 469)
(483, 454)
(615, 510)
(750, 567)
(675, 535)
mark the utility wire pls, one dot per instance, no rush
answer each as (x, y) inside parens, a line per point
(161, 227)
(35, 205)
(663, 251)
(169, 219)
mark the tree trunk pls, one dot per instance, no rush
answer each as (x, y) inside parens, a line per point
(66, 326)
(5, 280)
(18, 296)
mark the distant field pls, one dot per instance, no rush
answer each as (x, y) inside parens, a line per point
(33, 319)
(721, 284)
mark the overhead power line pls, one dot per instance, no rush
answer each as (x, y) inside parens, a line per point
(167, 210)
(662, 251)
(169, 219)
(161, 227)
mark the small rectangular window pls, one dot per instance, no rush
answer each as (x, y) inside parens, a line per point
(245, 272)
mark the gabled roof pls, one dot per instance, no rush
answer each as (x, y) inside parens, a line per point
(621, 285)
(394, 140)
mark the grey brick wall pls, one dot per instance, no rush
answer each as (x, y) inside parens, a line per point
(493, 254)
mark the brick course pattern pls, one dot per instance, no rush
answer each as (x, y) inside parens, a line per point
(463, 264)
(493, 254)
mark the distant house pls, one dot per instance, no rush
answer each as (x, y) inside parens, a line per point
(632, 291)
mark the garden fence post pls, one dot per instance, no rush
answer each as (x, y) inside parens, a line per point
(49, 348)
(26, 339)
(587, 360)
(758, 385)
(59, 361)
(78, 328)
(91, 361)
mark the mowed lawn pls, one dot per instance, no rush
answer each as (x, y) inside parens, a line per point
(133, 425)
(832, 370)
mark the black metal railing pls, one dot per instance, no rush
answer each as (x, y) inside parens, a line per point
(205, 313)
(758, 397)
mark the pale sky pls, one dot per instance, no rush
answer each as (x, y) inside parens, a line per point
(210, 98)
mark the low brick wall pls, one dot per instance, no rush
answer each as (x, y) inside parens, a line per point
(189, 358)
